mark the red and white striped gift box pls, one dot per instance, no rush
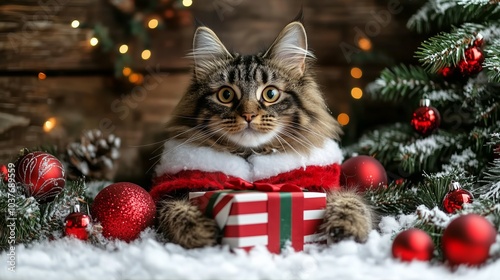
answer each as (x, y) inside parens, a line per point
(250, 218)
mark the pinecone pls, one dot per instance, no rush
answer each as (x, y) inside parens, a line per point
(94, 156)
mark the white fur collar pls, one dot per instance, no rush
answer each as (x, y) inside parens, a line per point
(178, 156)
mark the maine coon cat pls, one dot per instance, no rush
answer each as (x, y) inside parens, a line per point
(261, 118)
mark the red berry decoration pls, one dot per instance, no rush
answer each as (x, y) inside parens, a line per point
(76, 224)
(41, 174)
(447, 72)
(362, 172)
(472, 61)
(426, 119)
(456, 198)
(413, 244)
(467, 240)
(124, 210)
(4, 173)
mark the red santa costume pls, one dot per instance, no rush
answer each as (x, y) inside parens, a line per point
(184, 168)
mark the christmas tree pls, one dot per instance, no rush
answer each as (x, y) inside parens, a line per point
(450, 147)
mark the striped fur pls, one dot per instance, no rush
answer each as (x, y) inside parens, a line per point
(296, 123)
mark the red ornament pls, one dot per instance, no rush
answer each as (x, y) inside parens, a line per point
(472, 61)
(362, 172)
(455, 198)
(124, 210)
(413, 244)
(467, 240)
(4, 173)
(479, 40)
(76, 224)
(41, 174)
(426, 119)
(447, 72)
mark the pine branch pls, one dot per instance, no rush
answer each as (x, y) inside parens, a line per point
(401, 82)
(441, 14)
(393, 200)
(447, 49)
(492, 60)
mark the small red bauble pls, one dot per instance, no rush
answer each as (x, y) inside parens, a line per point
(413, 244)
(362, 172)
(76, 224)
(456, 198)
(472, 62)
(4, 173)
(41, 174)
(123, 210)
(447, 72)
(467, 240)
(426, 119)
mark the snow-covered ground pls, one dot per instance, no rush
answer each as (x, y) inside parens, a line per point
(147, 258)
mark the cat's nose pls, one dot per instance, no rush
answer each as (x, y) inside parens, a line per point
(248, 116)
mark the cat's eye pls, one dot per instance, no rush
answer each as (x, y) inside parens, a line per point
(271, 94)
(225, 95)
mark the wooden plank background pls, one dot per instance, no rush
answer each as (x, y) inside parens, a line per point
(36, 36)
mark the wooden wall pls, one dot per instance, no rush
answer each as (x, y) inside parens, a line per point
(81, 93)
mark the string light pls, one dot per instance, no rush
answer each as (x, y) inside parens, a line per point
(75, 23)
(343, 118)
(365, 44)
(153, 23)
(94, 41)
(123, 49)
(42, 76)
(146, 54)
(356, 93)
(126, 71)
(356, 73)
(187, 3)
(49, 124)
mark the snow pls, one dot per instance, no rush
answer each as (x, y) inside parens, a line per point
(147, 258)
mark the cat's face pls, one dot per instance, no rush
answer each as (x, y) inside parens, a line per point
(253, 103)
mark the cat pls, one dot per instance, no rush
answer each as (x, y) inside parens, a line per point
(261, 118)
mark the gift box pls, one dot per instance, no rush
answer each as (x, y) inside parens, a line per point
(250, 218)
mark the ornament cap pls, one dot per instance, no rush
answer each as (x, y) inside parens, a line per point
(454, 186)
(425, 102)
(76, 208)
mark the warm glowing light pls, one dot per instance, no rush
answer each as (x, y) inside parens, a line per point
(187, 3)
(133, 78)
(75, 23)
(42, 76)
(169, 13)
(356, 93)
(123, 49)
(49, 124)
(94, 41)
(153, 23)
(356, 73)
(365, 44)
(146, 54)
(343, 118)
(126, 71)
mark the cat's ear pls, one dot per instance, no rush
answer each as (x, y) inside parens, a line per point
(290, 48)
(207, 47)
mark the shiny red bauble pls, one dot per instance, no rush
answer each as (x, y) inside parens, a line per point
(425, 119)
(413, 244)
(456, 198)
(4, 173)
(472, 62)
(124, 210)
(467, 240)
(362, 173)
(76, 224)
(41, 174)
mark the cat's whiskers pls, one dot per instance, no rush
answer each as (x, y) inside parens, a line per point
(288, 144)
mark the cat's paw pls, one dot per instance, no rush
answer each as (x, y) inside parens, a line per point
(184, 224)
(347, 216)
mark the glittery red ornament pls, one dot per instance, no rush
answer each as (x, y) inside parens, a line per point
(4, 173)
(447, 72)
(456, 198)
(123, 210)
(76, 224)
(41, 174)
(472, 61)
(362, 172)
(426, 119)
(413, 244)
(467, 240)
